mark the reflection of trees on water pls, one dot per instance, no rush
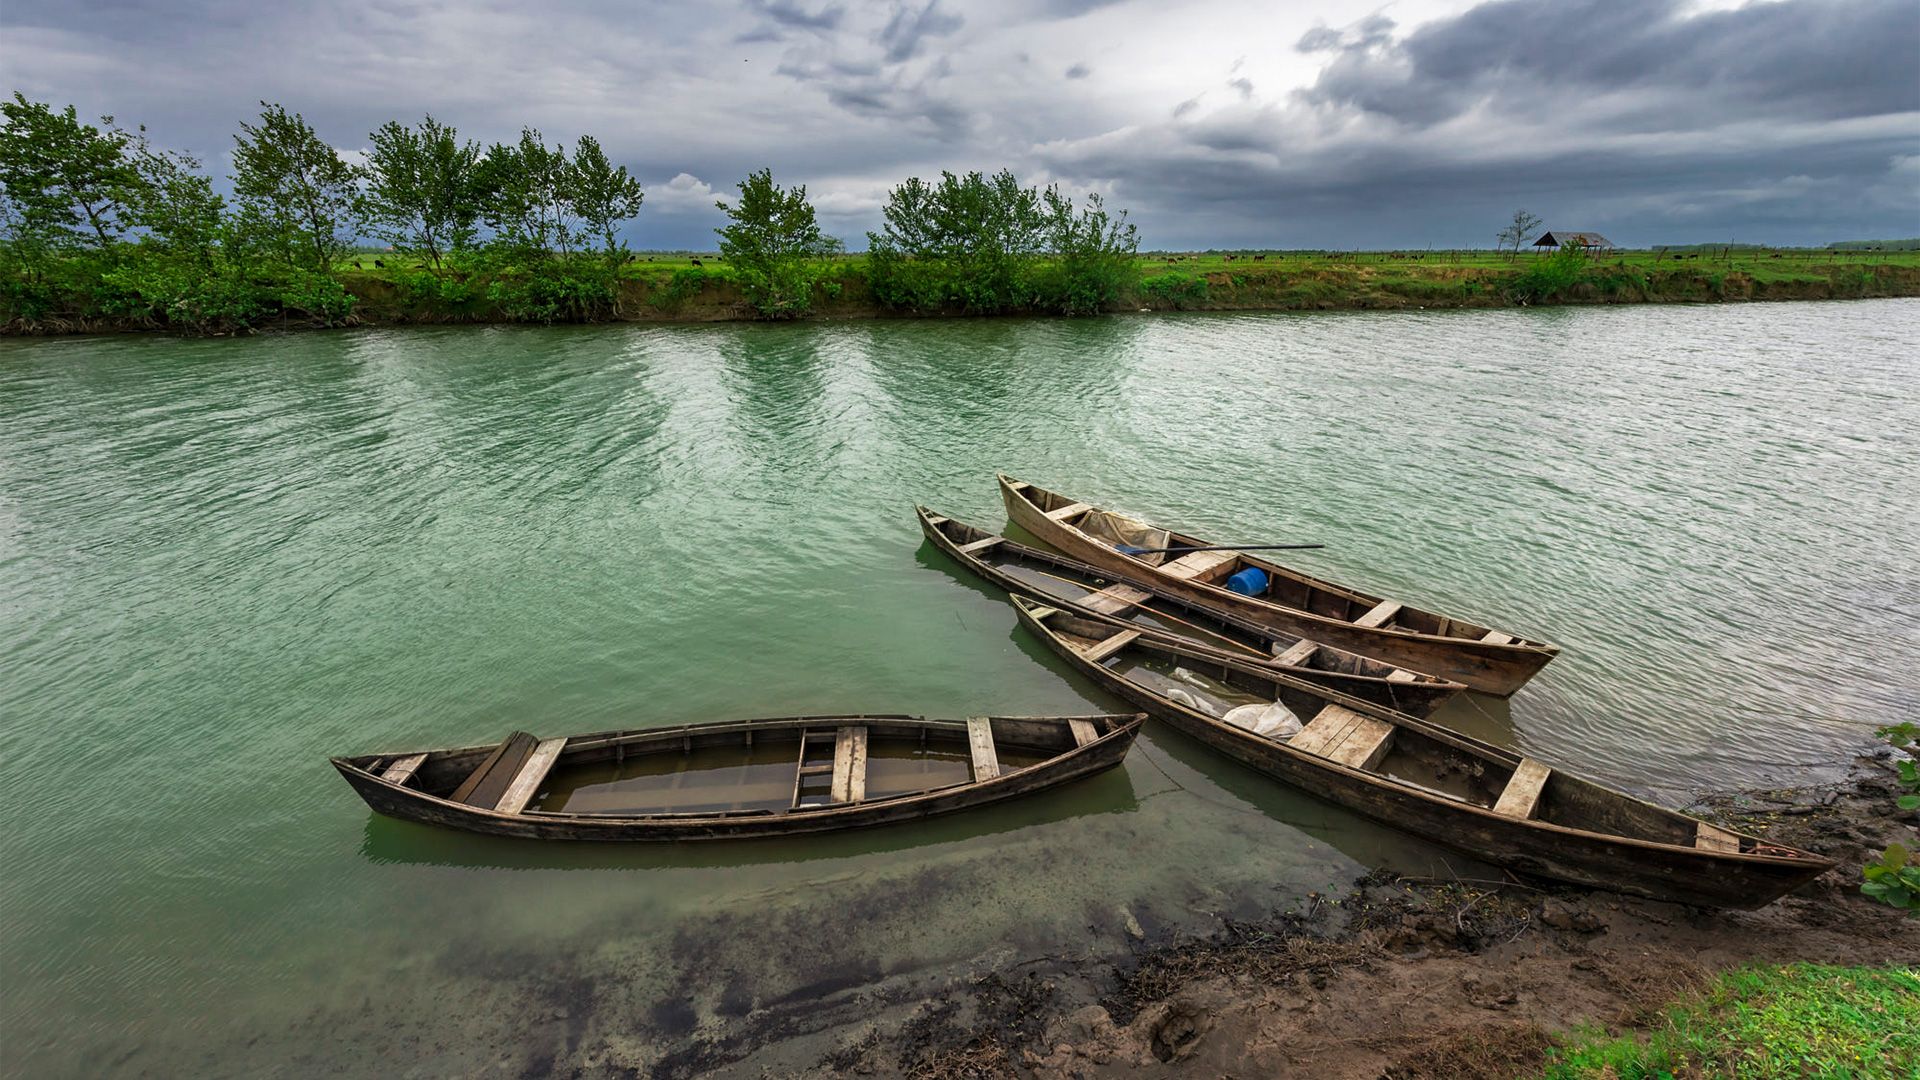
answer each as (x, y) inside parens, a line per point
(775, 378)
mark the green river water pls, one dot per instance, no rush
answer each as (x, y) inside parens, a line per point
(223, 560)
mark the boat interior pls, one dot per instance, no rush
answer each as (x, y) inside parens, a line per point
(1408, 753)
(1283, 586)
(748, 768)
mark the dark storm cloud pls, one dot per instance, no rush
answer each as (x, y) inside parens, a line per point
(1651, 120)
(912, 27)
(1799, 119)
(1799, 59)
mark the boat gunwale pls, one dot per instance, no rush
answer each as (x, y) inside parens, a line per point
(1801, 857)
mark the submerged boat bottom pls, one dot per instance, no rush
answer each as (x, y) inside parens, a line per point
(718, 779)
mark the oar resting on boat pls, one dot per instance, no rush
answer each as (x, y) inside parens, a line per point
(1276, 596)
(775, 777)
(1496, 805)
(1091, 592)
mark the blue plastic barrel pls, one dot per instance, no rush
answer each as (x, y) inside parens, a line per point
(1249, 582)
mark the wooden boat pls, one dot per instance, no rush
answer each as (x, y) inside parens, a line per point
(776, 777)
(1497, 805)
(1483, 658)
(1091, 592)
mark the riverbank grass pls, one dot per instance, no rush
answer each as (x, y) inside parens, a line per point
(1762, 1023)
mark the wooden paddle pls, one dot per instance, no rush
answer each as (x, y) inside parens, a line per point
(1129, 549)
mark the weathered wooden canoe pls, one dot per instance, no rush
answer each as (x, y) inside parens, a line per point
(1494, 804)
(1091, 592)
(776, 777)
(1452, 648)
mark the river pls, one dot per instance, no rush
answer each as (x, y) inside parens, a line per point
(223, 560)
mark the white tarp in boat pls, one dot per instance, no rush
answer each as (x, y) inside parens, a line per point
(1116, 529)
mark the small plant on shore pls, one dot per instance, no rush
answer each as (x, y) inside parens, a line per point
(1894, 878)
(1551, 277)
(774, 246)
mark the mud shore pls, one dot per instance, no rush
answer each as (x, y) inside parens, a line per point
(1405, 978)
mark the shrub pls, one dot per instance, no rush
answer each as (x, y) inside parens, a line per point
(774, 246)
(1549, 278)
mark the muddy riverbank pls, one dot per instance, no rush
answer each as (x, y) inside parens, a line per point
(1406, 978)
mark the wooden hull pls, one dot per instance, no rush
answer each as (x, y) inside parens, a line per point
(1409, 692)
(1664, 871)
(411, 804)
(1486, 666)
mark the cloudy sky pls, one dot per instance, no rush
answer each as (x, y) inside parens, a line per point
(1235, 123)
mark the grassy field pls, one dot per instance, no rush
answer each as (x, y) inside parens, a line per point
(1782, 264)
(1769, 1023)
(1765, 265)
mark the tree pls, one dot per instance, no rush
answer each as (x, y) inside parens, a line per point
(1094, 254)
(528, 186)
(969, 240)
(774, 246)
(67, 184)
(602, 196)
(424, 189)
(1516, 232)
(298, 197)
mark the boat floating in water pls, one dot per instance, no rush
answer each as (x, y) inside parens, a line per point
(773, 777)
(1496, 805)
(1092, 592)
(1265, 592)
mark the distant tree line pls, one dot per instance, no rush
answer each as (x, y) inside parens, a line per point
(96, 223)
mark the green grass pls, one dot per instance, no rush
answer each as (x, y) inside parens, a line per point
(1762, 1023)
(1792, 264)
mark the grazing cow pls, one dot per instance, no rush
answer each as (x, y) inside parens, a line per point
(1259, 258)
(357, 266)
(379, 264)
(697, 262)
(1229, 258)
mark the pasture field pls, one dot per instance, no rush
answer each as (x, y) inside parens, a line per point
(1762, 264)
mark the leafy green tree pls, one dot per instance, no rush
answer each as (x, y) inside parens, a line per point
(528, 185)
(298, 197)
(774, 246)
(970, 241)
(1094, 255)
(602, 196)
(68, 184)
(424, 189)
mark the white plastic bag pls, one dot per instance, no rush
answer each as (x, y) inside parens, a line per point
(1272, 720)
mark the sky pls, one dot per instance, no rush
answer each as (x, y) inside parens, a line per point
(1222, 123)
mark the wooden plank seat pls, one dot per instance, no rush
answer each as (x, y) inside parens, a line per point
(1521, 797)
(1339, 734)
(1495, 637)
(484, 786)
(1713, 838)
(1197, 563)
(1069, 510)
(986, 764)
(850, 764)
(1116, 598)
(1083, 732)
(1402, 675)
(1110, 646)
(981, 545)
(402, 769)
(526, 782)
(1298, 653)
(1380, 614)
